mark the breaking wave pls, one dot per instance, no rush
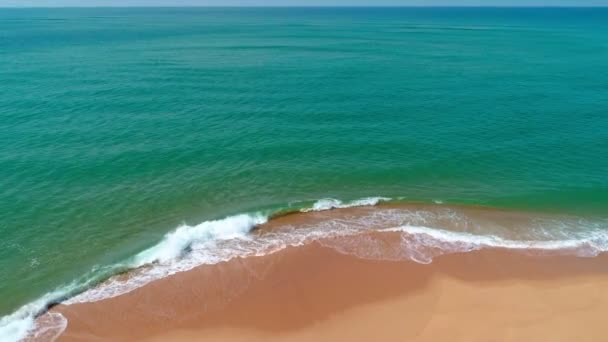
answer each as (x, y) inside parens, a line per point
(424, 233)
(331, 203)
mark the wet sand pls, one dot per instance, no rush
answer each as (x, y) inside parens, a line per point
(315, 293)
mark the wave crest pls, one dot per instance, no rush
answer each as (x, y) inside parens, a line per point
(175, 243)
(331, 203)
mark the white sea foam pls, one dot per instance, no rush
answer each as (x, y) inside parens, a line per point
(587, 244)
(177, 242)
(17, 325)
(331, 203)
(14, 327)
(52, 324)
(424, 234)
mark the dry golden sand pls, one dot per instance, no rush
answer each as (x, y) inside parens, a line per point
(314, 293)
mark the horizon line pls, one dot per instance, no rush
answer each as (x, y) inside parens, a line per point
(317, 6)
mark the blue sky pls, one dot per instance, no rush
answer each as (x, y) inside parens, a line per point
(52, 3)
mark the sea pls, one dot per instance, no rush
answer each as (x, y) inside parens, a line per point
(138, 137)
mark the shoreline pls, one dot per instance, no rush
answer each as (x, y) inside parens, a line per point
(360, 233)
(316, 292)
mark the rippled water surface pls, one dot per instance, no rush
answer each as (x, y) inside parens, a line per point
(119, 125)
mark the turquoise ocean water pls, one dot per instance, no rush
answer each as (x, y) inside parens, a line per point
(118, 125)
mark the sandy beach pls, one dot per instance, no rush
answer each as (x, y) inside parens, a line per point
(313, 292)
